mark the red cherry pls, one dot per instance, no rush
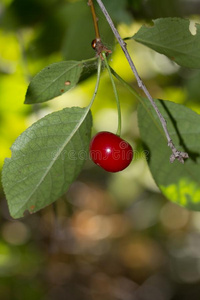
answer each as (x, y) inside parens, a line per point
(110, 152)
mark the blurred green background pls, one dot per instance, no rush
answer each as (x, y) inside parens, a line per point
(112, 236)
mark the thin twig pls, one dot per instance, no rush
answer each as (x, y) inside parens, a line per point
(176, 154)
(97, 44)
(95, 20)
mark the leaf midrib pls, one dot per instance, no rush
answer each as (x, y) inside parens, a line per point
(155, 45)
(55, 159)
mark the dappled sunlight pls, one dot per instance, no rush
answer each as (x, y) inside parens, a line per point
(141, 254)
(10, 55)
(15, 233)
(185, 192)
(174, 218)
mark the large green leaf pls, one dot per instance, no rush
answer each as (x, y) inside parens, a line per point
(180, 183)
(172, 37)
(45, 159)
(53, 81)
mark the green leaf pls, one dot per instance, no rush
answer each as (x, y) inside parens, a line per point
(45, 160)
(180, 183)
(172, 37)
(53, 81)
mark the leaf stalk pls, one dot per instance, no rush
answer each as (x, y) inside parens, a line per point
(115, 93)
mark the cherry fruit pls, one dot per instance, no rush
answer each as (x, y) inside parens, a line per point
(110, 152)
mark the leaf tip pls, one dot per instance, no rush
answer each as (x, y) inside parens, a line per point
(28, 98)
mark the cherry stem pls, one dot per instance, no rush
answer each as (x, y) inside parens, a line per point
(115, 93)
(97, 82)
(95, 20)
(176, 154)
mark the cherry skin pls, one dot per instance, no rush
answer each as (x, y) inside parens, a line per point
(110, 152)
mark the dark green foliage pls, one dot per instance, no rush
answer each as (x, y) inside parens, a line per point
(172, 37)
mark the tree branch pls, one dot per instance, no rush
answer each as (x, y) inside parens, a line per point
(176, 154)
